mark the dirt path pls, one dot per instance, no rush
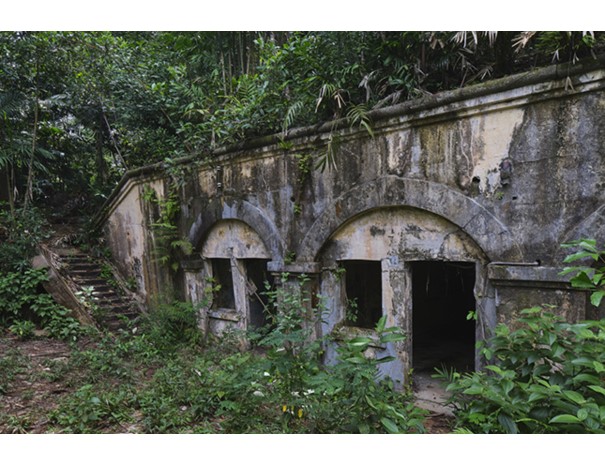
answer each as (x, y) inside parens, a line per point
(30, 389)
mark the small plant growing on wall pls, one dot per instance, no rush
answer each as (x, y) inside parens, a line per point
(165, 228)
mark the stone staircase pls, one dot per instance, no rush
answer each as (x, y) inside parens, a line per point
(102, 294)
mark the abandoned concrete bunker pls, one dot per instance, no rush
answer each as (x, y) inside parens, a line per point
(457, 203)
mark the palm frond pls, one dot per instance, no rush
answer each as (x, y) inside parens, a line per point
(358, 115)
(293, 111)
(10, 103)
(520, 41)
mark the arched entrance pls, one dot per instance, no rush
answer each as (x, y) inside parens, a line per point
(420, 271)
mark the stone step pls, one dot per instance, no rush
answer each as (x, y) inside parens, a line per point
(86, 272)
(82, 265)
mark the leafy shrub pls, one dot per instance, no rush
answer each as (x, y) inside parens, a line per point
(195, 394)
(170, 325)
(351, 397)
(347, 397)
(22, 329)
(21, 300)
(545, 377)
(23, 232)
(589, 277)
(286, 389)
(88, 411)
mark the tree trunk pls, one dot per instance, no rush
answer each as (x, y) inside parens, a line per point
(99, 159)
(29, 192)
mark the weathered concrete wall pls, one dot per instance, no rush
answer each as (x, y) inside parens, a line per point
(498, 175)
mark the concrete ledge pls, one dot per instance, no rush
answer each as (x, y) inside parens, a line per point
(224, 314)
(192, 265)
(527, 276)
(296, 268)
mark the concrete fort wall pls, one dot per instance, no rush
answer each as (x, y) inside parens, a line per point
(491, 179)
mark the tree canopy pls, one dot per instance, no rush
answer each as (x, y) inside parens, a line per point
(78, 109)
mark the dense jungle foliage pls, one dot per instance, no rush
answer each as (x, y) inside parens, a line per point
(78, 109)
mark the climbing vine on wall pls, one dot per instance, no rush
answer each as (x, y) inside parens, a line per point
(164, 225)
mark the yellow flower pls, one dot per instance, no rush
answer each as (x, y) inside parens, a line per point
(284, 408)
(300, 413)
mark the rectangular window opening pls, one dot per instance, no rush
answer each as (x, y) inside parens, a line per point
(258, 278)
(363, 283)
(223, 296)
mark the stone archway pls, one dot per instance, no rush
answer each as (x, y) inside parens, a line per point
(236, 209)
(392, 243)
(491, 235)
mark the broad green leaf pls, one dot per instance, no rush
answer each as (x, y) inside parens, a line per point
(551, 338)
(582, 414)
(588, 244)
(580, 255)
(565, 418)
(582, 281)
(574, 397)
(534, 396)
(392, 338)
(586, 378)
(557, 351)
(598, 389)
(370, 403)
(381, 324)
(473, 390)
(507, 386)
(360, 341)
(495, 369)
(389, 425)
(508, 423)
(596, 297)
(582, 361)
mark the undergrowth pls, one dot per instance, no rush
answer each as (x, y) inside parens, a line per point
(130, 382)
(545, 375)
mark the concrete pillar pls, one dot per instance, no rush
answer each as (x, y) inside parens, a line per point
(197, 289)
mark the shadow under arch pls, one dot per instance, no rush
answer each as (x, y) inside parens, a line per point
(491, 235)
(237, 209)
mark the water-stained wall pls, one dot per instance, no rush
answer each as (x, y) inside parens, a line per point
(498, 175)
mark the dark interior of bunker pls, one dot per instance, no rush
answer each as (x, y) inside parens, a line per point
(442, 297)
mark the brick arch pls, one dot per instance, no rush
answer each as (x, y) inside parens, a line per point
(484, 228)
(235, 209)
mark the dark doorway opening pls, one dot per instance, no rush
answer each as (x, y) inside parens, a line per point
(363, 282)
(258, 301)
(443, 335)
